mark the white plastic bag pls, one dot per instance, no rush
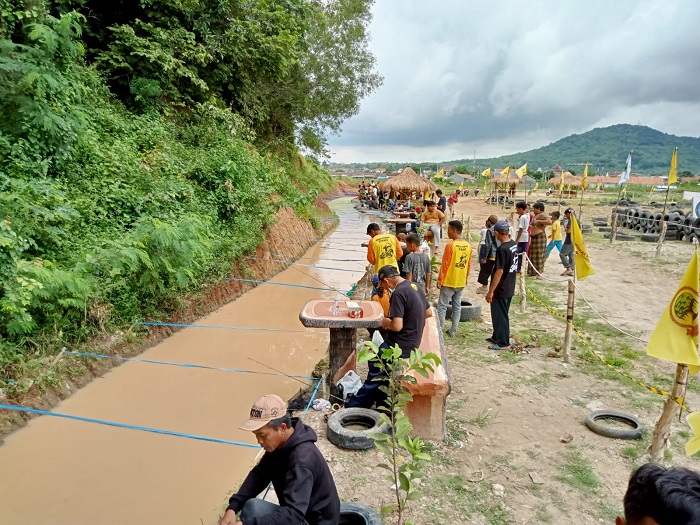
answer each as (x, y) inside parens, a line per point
(350, 382)
(377, 338)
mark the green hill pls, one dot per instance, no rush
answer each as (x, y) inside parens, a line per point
(603, 148)
(607, 148)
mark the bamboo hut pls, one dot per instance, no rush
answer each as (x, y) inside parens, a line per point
(570, 181)
(408, 182)
(506, 178)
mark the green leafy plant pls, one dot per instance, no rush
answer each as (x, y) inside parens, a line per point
(406, 456)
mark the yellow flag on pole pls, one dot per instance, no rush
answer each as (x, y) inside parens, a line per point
(600, 185)
(581, 261)
(522, 170)
(692, 446)
(584, 182)
(673, 173)
(505, 171)
(486, 172)
(561, 182)
(675, 338)
(535, 186)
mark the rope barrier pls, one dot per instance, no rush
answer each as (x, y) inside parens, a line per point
(653, 389)
(256, 281)
(18, 408)
(244, 328)
(543, 277)
(185, 365)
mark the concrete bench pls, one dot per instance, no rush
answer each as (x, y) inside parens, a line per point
(427, 412)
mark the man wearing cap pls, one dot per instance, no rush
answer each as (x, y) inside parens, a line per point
(383, 248)
(300, 475)
(408, 310)
(502, 286)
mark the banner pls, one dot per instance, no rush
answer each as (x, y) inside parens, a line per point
(625, 175)
(673, 172)
(581, 261)
(675, 338)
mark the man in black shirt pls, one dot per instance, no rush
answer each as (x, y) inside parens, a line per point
(408, 310)
(502, 286)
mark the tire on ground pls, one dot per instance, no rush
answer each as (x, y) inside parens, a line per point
(650, 237)
(636, 430)
(470, 311)
(357, 514)
(354, 438)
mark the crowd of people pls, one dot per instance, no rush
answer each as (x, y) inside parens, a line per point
(402, 281)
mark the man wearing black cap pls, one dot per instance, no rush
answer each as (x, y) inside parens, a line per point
(408, 310)
(502, 286)
(383, 248)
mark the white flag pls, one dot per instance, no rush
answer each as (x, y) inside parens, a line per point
(625, 175)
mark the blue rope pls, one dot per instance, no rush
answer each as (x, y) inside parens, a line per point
(305, 265)
(245, 328)
(186, 365)
(124, 425)
(278, 284)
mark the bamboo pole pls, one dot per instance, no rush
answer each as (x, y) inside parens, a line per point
(469, 228)
(580, 206)
(613, 223)
(570, 319)
(662, 431)
(663, 226)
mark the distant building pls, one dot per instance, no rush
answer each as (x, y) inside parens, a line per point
(448, 169)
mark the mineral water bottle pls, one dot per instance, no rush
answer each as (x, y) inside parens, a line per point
(360, 344)
(335, 310)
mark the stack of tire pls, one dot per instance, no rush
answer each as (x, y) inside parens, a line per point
(601, 223)
(649, 223)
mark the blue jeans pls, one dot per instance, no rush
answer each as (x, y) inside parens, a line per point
(552, 245)
(454, 295)
(370, 393)
(257, 508)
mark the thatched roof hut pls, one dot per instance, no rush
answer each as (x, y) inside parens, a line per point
(408, 182)
(570, 180)
(503, 178)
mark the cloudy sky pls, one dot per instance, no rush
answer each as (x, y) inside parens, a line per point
(500, 77)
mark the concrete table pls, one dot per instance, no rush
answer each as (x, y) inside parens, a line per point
(403, 214)
(399, 223)
(317, 314)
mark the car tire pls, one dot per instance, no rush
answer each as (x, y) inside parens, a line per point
(357, 514)
(350, 438)
(636, 431)
(469, 312)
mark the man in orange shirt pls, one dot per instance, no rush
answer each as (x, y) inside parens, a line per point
(456, 262)
(383, 249)
(434, 219)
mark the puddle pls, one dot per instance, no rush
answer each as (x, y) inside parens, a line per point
(89, 473)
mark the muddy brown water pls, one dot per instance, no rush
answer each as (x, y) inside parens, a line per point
(61, 471)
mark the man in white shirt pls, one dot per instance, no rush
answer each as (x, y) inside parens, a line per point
(522, 236)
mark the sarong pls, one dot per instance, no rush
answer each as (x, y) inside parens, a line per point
(538, 249)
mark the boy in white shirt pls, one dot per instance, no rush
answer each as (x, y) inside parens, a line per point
(522, 237)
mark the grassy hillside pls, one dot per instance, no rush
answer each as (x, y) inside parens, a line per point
(607, 148)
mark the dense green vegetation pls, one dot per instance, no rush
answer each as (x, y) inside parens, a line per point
(145, 147)
(604, 148)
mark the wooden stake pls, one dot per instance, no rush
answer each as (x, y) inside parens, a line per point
(523, 292)
(613, 221)
(469, 228)
(662, 431)
(570, 319)
(662, 232)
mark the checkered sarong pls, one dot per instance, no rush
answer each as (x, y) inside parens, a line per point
(538, 250)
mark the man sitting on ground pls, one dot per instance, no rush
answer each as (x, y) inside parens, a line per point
(298, 472)
(659, 496)
(408, 310)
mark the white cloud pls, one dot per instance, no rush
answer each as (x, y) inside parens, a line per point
(464, 75)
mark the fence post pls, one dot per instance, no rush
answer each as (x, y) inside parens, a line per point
(662, 431)
(523, 292)
(569, 320)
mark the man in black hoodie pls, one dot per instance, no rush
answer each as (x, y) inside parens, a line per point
(300, 475)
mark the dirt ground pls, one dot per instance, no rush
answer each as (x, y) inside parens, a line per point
(516, 420)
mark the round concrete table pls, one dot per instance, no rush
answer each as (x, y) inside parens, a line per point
(403, 214)
(317, 314)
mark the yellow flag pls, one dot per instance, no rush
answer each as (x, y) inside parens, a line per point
(581, 261)
(675, 338)
(522, 170)
(461, 186)
(584, 182)
(440, 174)
(486, 172)
(692, 446)
(561, 182)
(535, 186)
(600, 185)
(505, 171)
(673, 173)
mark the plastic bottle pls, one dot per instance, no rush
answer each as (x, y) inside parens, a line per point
(360, 344)
(335, 310)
